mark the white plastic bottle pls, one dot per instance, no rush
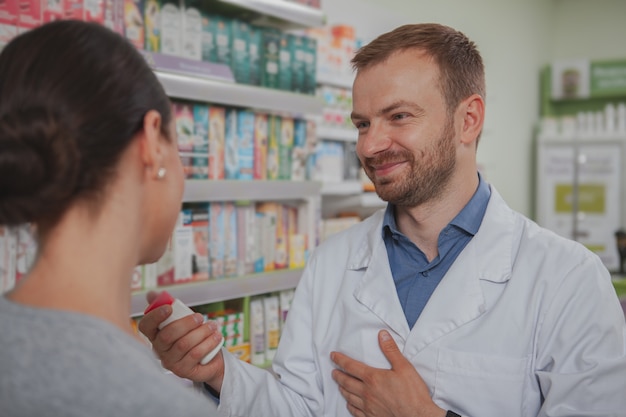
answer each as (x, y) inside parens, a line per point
(179, 310)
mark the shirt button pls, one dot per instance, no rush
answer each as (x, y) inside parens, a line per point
(425, 273)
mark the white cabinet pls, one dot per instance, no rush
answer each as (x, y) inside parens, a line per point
(581, 191)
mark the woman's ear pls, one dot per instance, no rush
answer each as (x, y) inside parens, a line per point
(151, 145)
(473, 109)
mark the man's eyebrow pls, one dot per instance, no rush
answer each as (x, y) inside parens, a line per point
(390, 108)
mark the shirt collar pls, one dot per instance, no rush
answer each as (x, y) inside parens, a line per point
(468, 219)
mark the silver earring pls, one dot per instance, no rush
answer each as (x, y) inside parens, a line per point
(161, 173)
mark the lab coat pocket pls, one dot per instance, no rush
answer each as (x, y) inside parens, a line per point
(480, 385)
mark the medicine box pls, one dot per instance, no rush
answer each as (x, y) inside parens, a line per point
(285, 62)
(257, 331)
(272, 325)
(8, 21)
(310, 57)
(207, 39)
(152, 25)
(217, 239)
(165, 265)
(183, 248)
(217, 133)
(192, 30)
(255, 48)
(200, 160)
(281, 260)
(200, 226)
(297, 45)
(230, 240)
(240, 51)
(285, 146)
(245, 239)
(245, 144)
(269, 212)
(273, 147)
(171, 27)
(260, 146)
(231, 154)
(299, 152)
(270, 58)
(134, 29)
(30, 15)
(220, 27)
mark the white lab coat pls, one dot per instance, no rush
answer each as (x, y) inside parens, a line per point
(524, 323)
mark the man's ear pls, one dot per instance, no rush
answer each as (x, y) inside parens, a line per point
(151, 145)
(473, 109)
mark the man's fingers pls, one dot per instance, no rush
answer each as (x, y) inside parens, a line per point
(149, 324)
(349, 365)
(181, 335)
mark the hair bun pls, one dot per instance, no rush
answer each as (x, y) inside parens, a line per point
(38, 169)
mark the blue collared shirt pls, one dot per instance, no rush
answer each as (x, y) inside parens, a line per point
(415, 277)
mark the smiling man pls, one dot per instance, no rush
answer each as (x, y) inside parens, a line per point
(447, 302)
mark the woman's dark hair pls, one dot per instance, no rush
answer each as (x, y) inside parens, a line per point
(72, 96)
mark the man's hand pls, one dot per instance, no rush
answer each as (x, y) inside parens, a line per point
(182, 344)
(372, 392)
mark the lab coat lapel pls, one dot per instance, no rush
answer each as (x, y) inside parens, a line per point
(459, 297)
(457, 300)
(376, 289)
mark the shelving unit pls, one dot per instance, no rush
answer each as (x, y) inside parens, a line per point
(364, 203)
(230, 93)
(337, 133)
(335, 81)
(279, 13)
(205, 292)
(343, 188)
(581, 154)
(233, 190)
(346, 195)
(213, 83)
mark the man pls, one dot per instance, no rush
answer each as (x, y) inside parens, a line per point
(477, 311)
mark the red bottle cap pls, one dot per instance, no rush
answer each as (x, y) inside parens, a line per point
(162, 299)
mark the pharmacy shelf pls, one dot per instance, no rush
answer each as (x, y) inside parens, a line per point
(343, 134)
(233, 94)
(256, 190)
(344, 188)
(364, 203)
(334, 80)
(205, 292)
(282, 12)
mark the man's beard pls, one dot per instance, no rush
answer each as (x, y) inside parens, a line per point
(428, 177)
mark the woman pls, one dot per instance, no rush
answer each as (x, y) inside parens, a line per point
(88, 155)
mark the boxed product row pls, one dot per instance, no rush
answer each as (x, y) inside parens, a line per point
(337, 107)
(217, 142)
(256, 55)
(19, 16)
(609, 123)
(336, 45)
(225, 239)
(335, 161)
